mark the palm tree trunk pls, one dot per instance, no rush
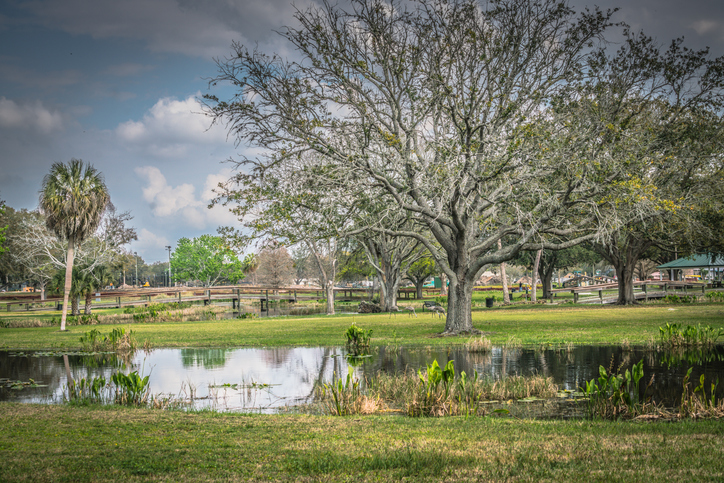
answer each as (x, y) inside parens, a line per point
(88, 302)
(75, 305)
(68, 279)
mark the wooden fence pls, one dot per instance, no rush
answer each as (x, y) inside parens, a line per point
(31, 301)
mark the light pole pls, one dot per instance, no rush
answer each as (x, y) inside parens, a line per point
(135, 255)
(169, 265)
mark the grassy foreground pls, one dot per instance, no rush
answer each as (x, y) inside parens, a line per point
(529, 325)
(63, 443)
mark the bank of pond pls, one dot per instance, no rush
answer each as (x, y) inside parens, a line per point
(611, 382)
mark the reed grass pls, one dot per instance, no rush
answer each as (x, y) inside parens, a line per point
(479, 344)
(426, 394)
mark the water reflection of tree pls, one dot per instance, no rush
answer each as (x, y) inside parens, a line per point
(207, 358)
(276, 357)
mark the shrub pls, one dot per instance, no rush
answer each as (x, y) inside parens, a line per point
(85, 319)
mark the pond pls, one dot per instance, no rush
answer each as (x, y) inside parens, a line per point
(272, 379)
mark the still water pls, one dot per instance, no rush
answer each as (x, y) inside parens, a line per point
(266, 380)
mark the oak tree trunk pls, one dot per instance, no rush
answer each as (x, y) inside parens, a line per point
(546, 279)
(625, 284)
(459, 316)
(418, 288)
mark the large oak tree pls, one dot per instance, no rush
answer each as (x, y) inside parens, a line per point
(476, 121)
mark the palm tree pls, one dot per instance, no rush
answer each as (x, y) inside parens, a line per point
(73, 198)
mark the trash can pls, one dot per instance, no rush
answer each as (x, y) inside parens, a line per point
(489, 301)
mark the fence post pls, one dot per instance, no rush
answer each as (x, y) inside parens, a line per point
(646, 292)
(600, 296)
(179, 296)
(575, 296)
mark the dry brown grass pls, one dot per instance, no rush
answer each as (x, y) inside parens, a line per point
(479, 344)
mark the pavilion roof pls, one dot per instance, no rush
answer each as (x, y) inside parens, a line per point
(707, 260)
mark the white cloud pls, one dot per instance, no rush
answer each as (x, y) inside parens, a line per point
(180, 203)
(703, 27)
(149, 241)
(29, 116)
(171, 127)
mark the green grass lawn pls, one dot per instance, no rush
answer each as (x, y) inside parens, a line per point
(65, 443)
(529, 325)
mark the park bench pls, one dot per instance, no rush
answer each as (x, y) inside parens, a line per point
(429, 304)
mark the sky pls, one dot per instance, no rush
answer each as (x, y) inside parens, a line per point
(117, 83)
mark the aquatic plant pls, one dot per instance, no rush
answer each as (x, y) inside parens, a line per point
(432, 394)
(673, 336)
(18, 385)
(614, 395)
(467, 397)
(87, 391)
(347, 398)
(117, 340)
(357, 338)
(131, 389)
(421, 396)
(696, 404)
